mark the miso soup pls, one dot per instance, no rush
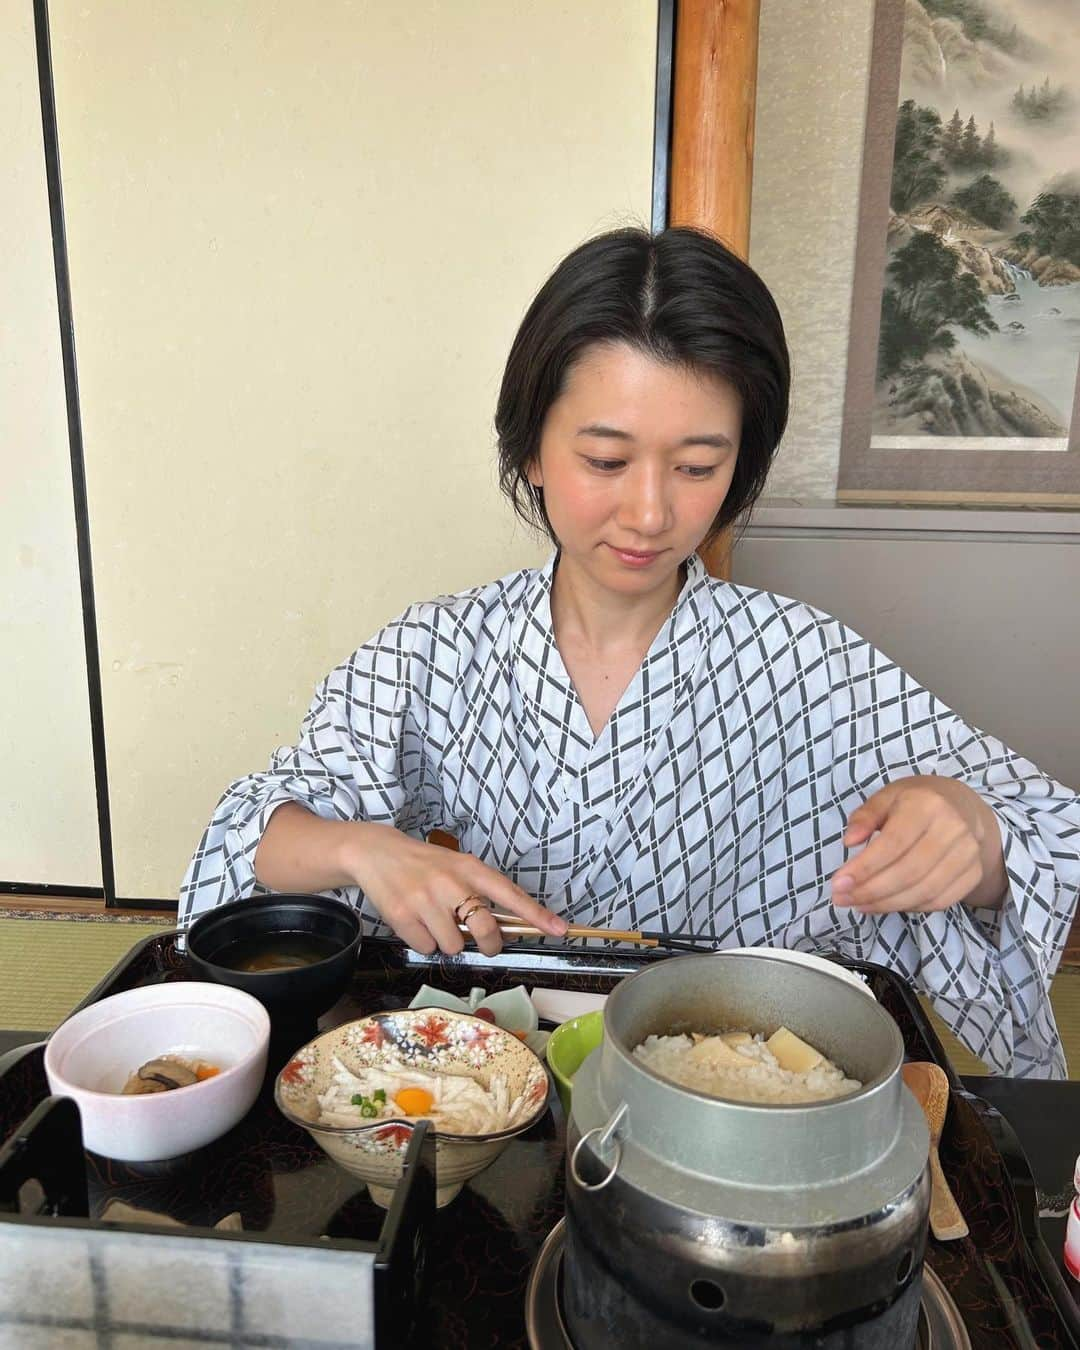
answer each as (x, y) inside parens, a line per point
(276, 951)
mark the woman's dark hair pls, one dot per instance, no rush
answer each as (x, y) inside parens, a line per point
(679, 296)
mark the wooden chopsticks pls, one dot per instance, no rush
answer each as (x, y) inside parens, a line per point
(511, 926)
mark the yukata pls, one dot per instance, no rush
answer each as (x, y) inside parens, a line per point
(713, 802)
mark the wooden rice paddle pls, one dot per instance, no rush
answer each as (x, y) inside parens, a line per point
(931, 1090)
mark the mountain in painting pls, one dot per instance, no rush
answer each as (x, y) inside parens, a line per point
(938, 50)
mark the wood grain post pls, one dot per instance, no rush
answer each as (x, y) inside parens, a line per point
(712, 138)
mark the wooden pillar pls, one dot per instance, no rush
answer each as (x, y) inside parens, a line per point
(712, 137)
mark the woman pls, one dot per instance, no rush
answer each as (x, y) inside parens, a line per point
(635, 744)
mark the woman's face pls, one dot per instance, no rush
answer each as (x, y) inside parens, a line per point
(636, 458)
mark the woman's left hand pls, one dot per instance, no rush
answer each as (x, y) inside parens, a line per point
(935, 843)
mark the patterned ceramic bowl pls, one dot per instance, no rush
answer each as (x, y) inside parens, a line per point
(437, 1041)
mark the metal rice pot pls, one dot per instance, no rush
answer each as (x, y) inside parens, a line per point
(696, 1220)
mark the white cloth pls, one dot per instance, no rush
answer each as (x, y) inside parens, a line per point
(713, 802)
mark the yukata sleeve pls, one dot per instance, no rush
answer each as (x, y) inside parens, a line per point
(363, 754)
(987, 972)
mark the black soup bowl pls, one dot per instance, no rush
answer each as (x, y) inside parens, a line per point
(321, 935)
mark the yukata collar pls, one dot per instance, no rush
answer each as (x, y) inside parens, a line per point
(647, 704)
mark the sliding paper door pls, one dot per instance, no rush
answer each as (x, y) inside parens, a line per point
(48, 817)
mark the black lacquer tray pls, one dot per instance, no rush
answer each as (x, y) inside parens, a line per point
(482, 1246)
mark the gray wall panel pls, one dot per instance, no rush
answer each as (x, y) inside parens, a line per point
(989, 622)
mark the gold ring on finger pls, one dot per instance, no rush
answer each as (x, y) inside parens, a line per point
(481, 903)
(476, 909)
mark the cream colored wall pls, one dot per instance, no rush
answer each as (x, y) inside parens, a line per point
(299, 249)
(813, 68)
(48, 818)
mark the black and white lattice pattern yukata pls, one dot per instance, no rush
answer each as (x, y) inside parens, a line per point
(714, 801)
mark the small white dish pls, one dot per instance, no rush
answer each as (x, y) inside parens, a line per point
(90, 1056)
(560, 1005)
(803, 959)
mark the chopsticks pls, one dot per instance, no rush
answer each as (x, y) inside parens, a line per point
(512, 927)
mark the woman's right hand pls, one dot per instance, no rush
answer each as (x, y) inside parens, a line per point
(416, 887)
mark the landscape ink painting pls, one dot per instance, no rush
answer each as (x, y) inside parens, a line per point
(980, 316)
(975, 286)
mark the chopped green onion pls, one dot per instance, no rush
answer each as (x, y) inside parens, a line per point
(357, 1100)
(379, 1095)
(368, 1108)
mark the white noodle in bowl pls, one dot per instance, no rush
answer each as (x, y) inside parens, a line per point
(461, 1105)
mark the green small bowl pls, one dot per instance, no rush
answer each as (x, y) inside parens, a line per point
(568, 1048)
